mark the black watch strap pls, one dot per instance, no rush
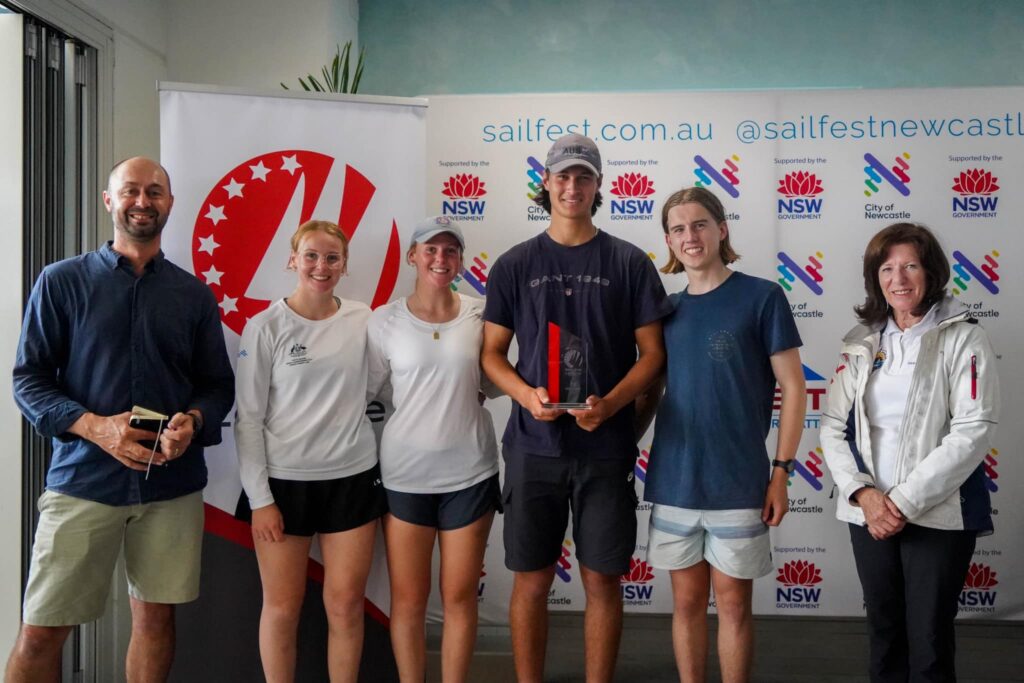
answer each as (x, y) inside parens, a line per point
(787, 465)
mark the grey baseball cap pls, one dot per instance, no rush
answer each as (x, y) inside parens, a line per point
(573, 150)
(429, 228)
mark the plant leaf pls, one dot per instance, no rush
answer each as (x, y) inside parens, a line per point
(359, 70)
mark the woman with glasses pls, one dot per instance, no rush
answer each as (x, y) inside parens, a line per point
(307, 454)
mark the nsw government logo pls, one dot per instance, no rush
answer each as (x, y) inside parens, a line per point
(632, 190)
(464, 191)
(800, 190)
(635, 584)
(978, 595)
(799, 588)
(974, 190)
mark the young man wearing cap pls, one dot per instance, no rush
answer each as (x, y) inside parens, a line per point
(571, 291)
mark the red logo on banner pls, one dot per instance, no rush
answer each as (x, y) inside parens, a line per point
(639, 572)
(241, 214)
(463, 186)
(633, 185)
(800, 184)
(980, 577)
(799, 573)
(975, 181)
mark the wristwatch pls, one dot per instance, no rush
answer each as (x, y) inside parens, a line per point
(787, 465)
(197, 421)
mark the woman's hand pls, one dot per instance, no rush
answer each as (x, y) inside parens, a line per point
(268, 524)
(882, 516)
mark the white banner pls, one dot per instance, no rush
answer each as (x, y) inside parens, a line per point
(246, 171)
(807, 177)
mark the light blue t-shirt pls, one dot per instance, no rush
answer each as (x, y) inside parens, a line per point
(709, 451)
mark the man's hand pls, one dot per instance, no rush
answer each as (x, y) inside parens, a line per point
(175, 438)
(116, 436)
(776, 499)
(591, 418)
(268, 524)
(534, 399)
(882, 516)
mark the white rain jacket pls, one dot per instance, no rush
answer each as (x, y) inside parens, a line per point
(951, 416)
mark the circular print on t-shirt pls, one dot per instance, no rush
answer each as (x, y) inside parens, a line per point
(721, 345)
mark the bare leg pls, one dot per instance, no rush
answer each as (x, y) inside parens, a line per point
(528, 617)
(151, 648)
(36, 654)
(283, 569)
(602, 625)
(347, 558)
(690, 589)
(409, 548)
(735, 626)
(462, 558)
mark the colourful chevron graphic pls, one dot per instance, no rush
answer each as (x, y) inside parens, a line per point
(989, 465)
(562, 566)
(726, 177)
(966, 271)
(535, 173)
(810, 274)
(475, 275)
(810, 469)
(895, 176)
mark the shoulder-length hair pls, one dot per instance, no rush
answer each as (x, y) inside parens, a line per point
(707, 199)
(875, 308)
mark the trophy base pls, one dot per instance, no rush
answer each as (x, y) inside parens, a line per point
(567, 406)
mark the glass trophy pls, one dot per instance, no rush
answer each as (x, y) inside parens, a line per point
(567, 370)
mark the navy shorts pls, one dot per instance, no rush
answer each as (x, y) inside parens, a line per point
(538, 496)
(327, 506)
(446, 511)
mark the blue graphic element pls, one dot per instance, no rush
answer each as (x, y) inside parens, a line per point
(790, 270)
(966, 269)
(877, 171)
(536, 176)
(811, 375)
(706, 173)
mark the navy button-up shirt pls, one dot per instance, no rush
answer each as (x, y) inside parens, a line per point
(98, 338)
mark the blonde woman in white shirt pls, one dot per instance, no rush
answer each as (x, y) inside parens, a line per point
(307, 454)
(438, 453)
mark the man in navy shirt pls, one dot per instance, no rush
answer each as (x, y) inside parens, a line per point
(103, 332)
(572, 281)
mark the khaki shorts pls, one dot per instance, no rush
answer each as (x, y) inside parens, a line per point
(77, 545)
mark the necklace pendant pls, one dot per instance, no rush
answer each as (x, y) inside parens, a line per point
(437, 335)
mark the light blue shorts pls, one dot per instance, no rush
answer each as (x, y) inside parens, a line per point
(735, 542)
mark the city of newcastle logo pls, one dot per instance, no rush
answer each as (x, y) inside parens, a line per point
(896, 175)
(989, 467)
(810, 274)
(725, 177)
(640, 470)
(799, 579)
(801, 190)
(463, 191)
(966, 271)
(634, 584)
(632, 190)
(977, 595)
(271, 193)
(563, 566)
(809, 469)
(975, 188)
(535, 174)
(475, 275)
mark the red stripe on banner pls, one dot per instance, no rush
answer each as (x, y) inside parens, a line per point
(554, 355)
(389, 271)
(354, 199)
(220, 523)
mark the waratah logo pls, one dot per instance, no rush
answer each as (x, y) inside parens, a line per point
(977, 592)
(798, 579)
(975, 187)
(633, 583)
(639, 572)
(800, 189)
(980, 577)
(464, 191)
(632, 189)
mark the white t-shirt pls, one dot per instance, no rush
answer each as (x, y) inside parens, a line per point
(300, 395)
(887, 390)
(440, 439)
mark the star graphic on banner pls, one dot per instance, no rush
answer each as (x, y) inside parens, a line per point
(234, 188)
(290, 164)
(212, 276)
(207, 244)
(216, 214)
(259, 172)
(228, 304)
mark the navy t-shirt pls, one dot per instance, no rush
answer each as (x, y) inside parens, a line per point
(600, 292)
(709, 451)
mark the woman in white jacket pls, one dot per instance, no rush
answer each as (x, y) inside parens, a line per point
(910, 412)
(307, 454)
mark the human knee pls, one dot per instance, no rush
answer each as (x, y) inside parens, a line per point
(344, 604)
(733, 607)
(40, 642)
(532, 586)
(459, 598)
(152, 619)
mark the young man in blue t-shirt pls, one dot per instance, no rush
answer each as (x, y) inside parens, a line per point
(729, 339)
(571, 282)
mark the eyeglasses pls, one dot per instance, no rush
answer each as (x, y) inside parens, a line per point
(333, 261)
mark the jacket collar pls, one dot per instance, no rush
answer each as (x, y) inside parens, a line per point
(947, 311)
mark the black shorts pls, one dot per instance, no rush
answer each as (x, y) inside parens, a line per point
(327, 506)
(538, 495)
(446, 511)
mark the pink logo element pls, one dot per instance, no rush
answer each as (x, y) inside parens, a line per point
(633, 185)
(800, 184)
(464, 186)
(799, 573)
(975, 181)
(980, 577)
(639, 572)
